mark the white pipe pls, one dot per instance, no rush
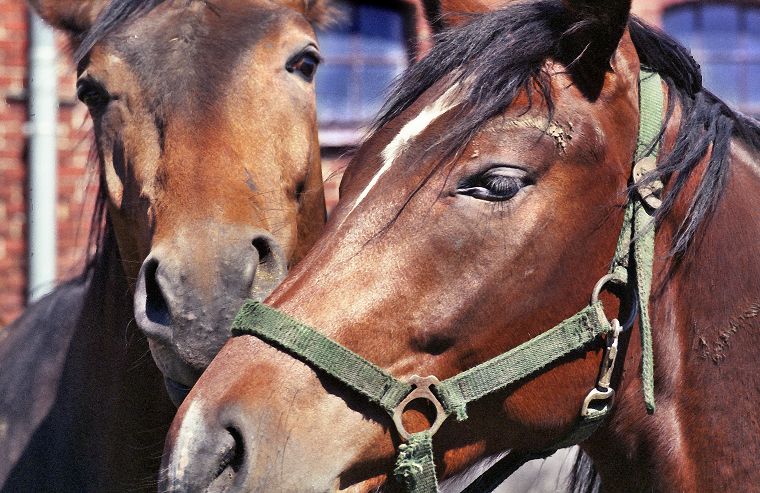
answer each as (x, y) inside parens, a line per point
(42, 179)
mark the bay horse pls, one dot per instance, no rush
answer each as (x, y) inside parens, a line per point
(482, 211)
(210, 187)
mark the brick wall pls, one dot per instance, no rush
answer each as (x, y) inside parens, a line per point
(73, 148)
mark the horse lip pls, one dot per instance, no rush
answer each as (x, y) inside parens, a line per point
(177, 391)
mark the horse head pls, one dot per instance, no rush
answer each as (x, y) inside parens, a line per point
(206, 134)
(483, 210)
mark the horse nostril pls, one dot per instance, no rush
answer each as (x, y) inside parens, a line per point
(230, 461)
(271, 268)
(156, 308)
(263, 248)
(235, 458)
(203, 454)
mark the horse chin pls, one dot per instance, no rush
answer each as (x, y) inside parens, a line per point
(177, 391)
(179, 377)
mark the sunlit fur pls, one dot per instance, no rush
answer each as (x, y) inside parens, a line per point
(423, 278)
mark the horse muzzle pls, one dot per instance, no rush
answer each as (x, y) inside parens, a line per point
(187, 294)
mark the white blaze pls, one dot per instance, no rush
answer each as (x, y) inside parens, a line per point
(411, 130)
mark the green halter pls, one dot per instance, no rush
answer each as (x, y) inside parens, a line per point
(414, 466)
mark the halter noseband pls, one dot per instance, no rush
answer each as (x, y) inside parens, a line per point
(414, 465)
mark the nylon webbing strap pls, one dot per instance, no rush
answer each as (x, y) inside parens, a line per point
(415, 467)
(454, 393)
(651, 109)
(526, 359)
(301, 340)
(620, 263)
(650, 127)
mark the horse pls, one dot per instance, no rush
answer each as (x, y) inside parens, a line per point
(210, 187)
(486, 208)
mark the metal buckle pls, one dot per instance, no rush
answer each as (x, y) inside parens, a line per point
(595, 395)
(421, 391)
(634, 302)
(602, 391)
(600, 284)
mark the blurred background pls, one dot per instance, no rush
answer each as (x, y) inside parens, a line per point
(363, 54)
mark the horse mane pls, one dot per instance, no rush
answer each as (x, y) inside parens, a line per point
(499, 54)
(101, 241)
(707, 125)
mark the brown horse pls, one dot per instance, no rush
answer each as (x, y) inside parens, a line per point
(210, 187)
(480, 213)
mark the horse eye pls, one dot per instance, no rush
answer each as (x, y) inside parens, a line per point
(305, 65)
(495, 185)
(92, 94)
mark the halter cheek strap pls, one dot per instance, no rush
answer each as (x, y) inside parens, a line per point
(651, 102)
(415, 466)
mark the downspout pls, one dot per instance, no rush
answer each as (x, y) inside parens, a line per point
(42, 177)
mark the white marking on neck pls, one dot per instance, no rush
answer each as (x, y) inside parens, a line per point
(411, 130)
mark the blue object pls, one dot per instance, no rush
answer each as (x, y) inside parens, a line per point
(725, 40)
(363, 55)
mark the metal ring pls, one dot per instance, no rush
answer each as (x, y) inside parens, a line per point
(421, 391)
(635, 305)
(599, 285)
(603, 395)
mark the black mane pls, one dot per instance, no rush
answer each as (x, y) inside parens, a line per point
(706, 122)
(502, 53)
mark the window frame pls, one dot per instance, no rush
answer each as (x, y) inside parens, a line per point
(347, 134)
(742, 57)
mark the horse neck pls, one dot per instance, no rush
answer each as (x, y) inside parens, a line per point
(109, 330)
(123, 408)
(706, 331)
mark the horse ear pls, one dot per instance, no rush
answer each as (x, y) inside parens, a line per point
(588, 45)
(448, 13)
(75, 17)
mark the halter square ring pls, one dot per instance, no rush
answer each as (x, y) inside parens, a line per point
(422, 390)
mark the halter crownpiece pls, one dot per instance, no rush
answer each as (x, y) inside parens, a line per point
(415, 466)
